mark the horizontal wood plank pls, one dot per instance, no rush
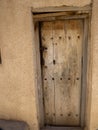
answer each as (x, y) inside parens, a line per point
(60, 9)
(50, 14)
(53, 18)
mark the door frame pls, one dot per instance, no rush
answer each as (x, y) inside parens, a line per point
(61, 13)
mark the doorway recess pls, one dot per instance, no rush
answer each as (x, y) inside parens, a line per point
(61, 37)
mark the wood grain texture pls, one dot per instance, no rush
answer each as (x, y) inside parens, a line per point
(39, 81)
(62, 71)
(60, 9)
(48, 83)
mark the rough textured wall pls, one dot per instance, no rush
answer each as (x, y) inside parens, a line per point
(94, 99)
(17, 93)
(17, 72)
(44, 3)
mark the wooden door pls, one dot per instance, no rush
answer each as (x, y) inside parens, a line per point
(61, 49)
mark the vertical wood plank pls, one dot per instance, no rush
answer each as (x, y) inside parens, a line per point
(68, 56)
(59, 56)
(84, 72)
(39, 81)
(48, 82)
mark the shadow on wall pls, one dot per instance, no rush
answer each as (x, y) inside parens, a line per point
(13, 125)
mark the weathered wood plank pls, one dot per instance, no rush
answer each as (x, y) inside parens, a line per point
(59, 56)
(39, 82)
(66, 17)
(74, 35)
(38, 16)
(48, 82)
(60, 9)
(84, 72)
(67, 72)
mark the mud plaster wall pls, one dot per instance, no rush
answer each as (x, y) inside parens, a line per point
(94, 97)
(17, 71)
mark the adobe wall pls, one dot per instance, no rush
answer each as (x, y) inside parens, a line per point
(18, 70)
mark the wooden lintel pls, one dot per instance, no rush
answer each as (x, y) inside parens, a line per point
(38, 16)
(53, 18)
(60, 9)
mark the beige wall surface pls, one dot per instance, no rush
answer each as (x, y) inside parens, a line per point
(44, 3)
(47, 3)
(18, 69)
(17, 78)
(94, 99)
